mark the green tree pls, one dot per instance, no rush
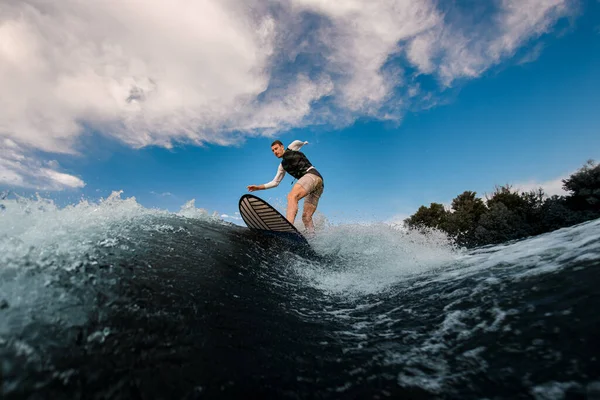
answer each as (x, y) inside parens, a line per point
(584, 186)
(433, 216)
(500, 224)
(461, 223)
(508, 197)
(532, 210)
(556, 214)
(511, 215)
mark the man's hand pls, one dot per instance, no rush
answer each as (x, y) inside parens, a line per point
(252, 188)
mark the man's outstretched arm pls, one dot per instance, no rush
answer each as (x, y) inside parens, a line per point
(275, 182)
(296, 145)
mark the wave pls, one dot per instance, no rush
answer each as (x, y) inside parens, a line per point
(111, 299)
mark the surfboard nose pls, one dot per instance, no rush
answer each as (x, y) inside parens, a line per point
(260, 215)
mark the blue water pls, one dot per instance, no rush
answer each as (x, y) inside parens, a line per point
(113, 300)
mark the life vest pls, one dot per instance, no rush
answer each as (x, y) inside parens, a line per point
(295, 163)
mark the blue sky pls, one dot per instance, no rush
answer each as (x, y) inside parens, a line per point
(394, 119)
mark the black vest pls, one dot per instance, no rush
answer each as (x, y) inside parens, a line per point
(295, 163)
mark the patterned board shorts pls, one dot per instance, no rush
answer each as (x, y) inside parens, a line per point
(313, 184)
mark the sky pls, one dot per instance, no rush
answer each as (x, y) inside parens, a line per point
(403, 102)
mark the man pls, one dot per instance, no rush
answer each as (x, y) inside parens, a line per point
(309, 185)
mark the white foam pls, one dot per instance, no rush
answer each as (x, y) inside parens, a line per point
(373, 258)
(373, 264)
(552, 390)
(189, 210)
(37, 239)
(370, 258)
(38, 228)
(542, 254)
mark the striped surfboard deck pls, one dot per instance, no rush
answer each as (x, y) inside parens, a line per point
(261, 216)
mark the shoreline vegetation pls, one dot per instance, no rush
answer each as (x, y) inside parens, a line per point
(509, 215)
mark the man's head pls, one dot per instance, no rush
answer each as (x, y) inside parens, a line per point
(277, 148)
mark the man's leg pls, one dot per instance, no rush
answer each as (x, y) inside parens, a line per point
(307, 213)
(297, 193)
(310, 205)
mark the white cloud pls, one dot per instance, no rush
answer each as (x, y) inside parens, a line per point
(236, 216)
(144, 73)
(61, 179)
(361, 36)
(532, 55)
(19, 169)
(467, 51)
(551, 187)
(158, 72)
(163, 194)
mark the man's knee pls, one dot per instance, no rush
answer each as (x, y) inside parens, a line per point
(293, 196)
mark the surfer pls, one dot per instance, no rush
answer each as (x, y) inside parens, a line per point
(309, 186)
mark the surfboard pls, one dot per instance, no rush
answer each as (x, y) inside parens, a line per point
(261, 216)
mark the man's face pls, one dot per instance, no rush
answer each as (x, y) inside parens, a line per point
(278, 150)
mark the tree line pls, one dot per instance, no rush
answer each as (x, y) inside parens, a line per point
(507, 214)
